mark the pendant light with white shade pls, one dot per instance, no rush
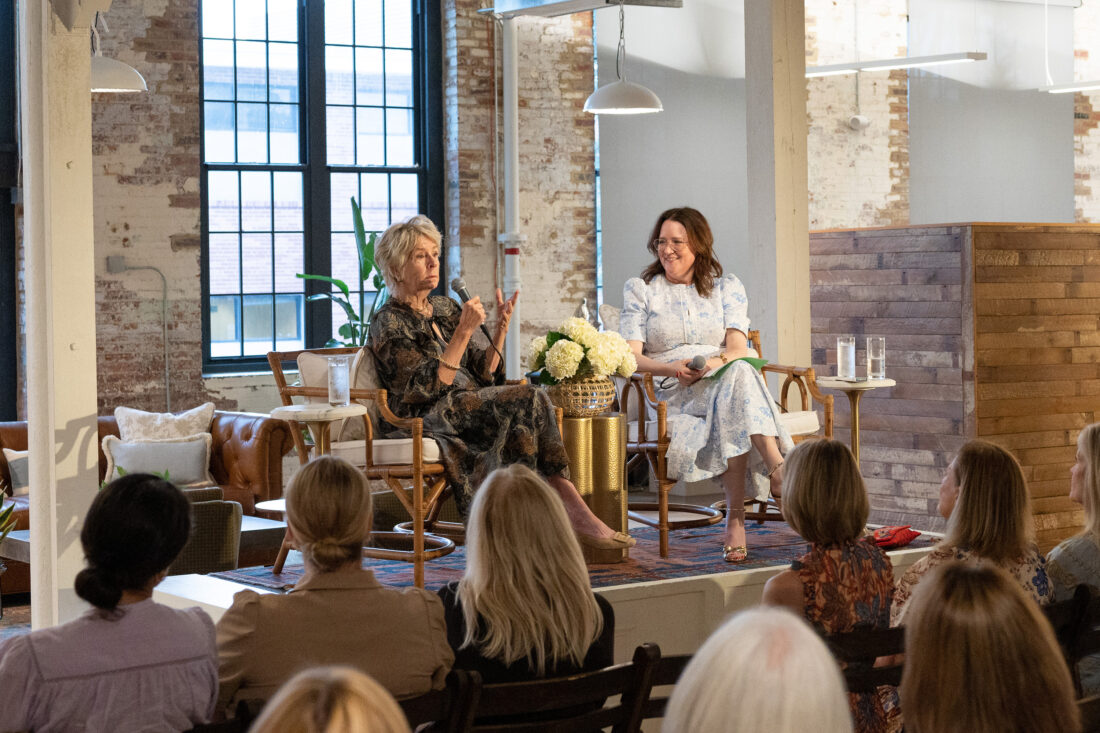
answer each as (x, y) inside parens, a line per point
(622, 97)
(111, 75)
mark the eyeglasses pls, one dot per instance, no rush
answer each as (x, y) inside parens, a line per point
(676, 245)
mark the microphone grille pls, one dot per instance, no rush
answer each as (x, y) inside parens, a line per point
(698, 362)
(458, 284)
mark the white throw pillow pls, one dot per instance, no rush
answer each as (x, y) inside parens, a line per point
(19, 469)
(186, 459)
(140, 425)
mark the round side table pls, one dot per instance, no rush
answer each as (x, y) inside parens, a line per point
(854, 391)
(319, 417)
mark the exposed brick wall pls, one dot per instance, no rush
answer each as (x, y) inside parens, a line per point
(857, 178)
(1086, 115)
(146, 160)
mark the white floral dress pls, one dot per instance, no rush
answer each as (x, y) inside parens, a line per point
(710, 421)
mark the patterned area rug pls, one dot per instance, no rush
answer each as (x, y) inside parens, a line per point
(691, 552)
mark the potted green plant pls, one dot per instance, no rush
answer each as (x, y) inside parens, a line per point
(7, 524)
(355, 329)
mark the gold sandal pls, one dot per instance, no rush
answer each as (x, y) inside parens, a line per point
(731, 553)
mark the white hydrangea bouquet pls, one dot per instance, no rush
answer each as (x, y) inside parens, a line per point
(576, 350)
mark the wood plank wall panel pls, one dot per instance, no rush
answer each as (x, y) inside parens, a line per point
(1037, 351)
(908, 285)
(992, 331)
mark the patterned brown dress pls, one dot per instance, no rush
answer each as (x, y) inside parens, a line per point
(844, 587)
(480, 425)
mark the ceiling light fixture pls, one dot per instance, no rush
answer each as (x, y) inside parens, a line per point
(905, 62)
(111, 75)
(622, 97)
(1051, 87)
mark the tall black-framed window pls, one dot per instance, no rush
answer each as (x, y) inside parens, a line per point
(9, 182)
(306, 103)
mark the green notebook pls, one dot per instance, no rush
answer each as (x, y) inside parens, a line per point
(754, 362)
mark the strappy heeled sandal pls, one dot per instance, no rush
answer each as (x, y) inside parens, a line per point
(773, 489)
(735, 553)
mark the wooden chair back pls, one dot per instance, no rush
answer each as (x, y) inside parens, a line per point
(857, 651)
(1087, 641)
(668, 673)
(447, 709)
(549, 697)
(1069, 619)
(1089, 707)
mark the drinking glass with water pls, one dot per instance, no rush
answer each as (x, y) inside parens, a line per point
(876, 357)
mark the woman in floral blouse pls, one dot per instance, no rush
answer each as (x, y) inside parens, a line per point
(433, 368)
(985, 501)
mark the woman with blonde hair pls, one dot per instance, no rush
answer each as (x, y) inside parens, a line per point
(756, 650)
(1077, 560)
(435, 366)
(981, 656)
(985, 500)
(845, 581)
(331, 700)
(524, 608)
(337, 613)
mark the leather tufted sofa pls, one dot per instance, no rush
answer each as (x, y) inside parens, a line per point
(246, 459)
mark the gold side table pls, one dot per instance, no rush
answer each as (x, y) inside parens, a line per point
(597, 466)
(854, 390)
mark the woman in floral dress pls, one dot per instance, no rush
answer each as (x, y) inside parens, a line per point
(433, 369)
(985, 500)
(845, 581)
(682, 307)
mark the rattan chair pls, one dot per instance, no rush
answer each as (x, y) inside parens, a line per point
(417, 481)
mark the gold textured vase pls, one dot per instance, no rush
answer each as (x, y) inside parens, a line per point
(583, 396)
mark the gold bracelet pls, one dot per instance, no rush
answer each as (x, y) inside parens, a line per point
(444, 362)
(722, 356)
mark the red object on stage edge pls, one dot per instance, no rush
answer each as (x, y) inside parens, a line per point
(890, 537)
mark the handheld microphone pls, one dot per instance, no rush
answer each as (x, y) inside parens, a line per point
(699, 362)
(459, 286)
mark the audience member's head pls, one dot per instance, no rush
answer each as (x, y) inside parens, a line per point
(135, 528)
(824, 498)
(328, 509)
(760, 649)
(980, 656)
(525, 575)
(1084, 486)
(985, 501)
(331, 700)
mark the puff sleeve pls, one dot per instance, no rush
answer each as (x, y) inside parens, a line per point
(632, 321)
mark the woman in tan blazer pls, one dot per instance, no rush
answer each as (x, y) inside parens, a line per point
(338, 614)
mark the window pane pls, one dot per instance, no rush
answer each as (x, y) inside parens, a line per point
(288, 263)
(376, 201)
(217, 19)
(251, 71)
(223, 201)
(284, 133)
(399, 77)
(225, 263)
(341, 135)
(289, 315)
(251, 133)
(283, 59)
(218, 132)
(251, 19)
(225, 320)
(343, 186)
(399, 137)
(369, 137)
(257, 322)
(256, 201)
(282, 20)
(398, 24)
(217, 69)
(339, 75)
(345, 260)
(368, 22)
(368, 76)
(338, 21)
(256, 258)
(404, 197)
(288, 202)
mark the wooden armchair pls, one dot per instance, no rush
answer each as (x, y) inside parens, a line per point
(648, 440)
(410, 467)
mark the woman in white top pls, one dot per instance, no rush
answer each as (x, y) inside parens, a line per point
(129, 663)
(682, 307)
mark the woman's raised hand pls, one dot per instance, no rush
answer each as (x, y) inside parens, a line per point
(504, 310)
(473, 315)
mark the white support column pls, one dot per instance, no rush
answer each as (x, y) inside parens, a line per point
(778, 225)
(56, 138)
(511, 238)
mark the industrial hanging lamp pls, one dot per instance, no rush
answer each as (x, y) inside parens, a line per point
(111, 75)
(622, 97)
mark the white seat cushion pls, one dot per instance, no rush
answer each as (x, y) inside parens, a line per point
(632, 430)
(387, 451)
(804, 422)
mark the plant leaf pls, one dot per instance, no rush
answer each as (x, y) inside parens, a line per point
(545, 378)
(340, 284)
(553, 337)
